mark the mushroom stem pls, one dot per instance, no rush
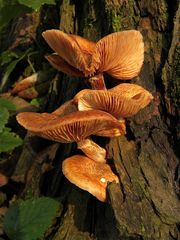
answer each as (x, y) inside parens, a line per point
(97, 82)
(92, 150)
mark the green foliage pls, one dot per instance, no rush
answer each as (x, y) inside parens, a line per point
(15, 8)
(10, 11)
(4, 116)
(29, 219)
(34, 4)
(8, 139)
(10, 59)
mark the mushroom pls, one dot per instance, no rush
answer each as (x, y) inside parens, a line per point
(73, 127)
(120, 54)
(121, 101)
(92, 150)
(73, 49)
(89, 175)
(97, 82)
(58, 63)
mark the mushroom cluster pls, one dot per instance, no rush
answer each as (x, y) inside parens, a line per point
(98, 111)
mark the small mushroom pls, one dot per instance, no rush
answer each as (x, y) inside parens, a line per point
(92, 150)
(121, 101)
(89, 175)
(72, 127)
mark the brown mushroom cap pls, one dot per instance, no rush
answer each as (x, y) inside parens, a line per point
(74, 49)
(72, 127)
(120, 102)
(89, 175)
(120, 54)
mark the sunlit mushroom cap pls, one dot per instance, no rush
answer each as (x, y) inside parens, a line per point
(75, 50)
(120, 102)
(72, 127)
(58, 63)
(120, 54)
(134, 91)
(89, 175)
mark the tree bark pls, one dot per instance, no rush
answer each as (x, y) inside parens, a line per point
(145, 205)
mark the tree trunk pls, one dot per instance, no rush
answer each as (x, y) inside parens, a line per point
(145, 205)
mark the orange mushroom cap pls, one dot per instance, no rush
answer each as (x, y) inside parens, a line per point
(120, 54)
(72, 127)
(58, 63)
(89, 175)
(74, 49)
(122, 101)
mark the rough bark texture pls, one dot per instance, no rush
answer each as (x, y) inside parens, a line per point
(145, 205)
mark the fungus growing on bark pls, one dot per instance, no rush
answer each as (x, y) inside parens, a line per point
(73, 127)
(120, 54)
(123, 100)
(89, 175)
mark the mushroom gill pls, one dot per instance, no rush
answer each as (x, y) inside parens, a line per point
(120, 54)
(73, 49)
(72, 127)
(120, 102)
(89, 175)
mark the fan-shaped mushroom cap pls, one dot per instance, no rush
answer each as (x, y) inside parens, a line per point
(120, 54)
(72, 127)
(74, 49)
(134, 91)
(120, 102)
(92, 150)
(89, 175)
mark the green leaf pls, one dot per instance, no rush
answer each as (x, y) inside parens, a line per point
(8, 12)
(4, 116)
(7, 57)
(28, 220)
(5, 103)
(34, 4)
(11, 67)
(8, 141)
